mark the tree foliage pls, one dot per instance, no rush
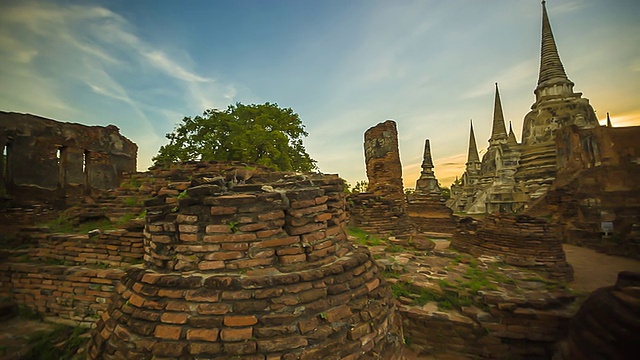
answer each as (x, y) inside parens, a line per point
(263, 134)
(360, 187)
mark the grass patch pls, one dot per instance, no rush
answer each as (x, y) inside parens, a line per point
(364, 238)
(132, 201)
(63, 225)
(131, 183)
(27, 313)
(446, 300)
(393, 248)
(61, 343)
(390, 274)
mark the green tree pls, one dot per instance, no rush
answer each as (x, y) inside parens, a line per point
(360, 187)
(445, 191)
(263, 134)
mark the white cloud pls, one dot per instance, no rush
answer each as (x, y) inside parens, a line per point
(52, 52)
(161, 61)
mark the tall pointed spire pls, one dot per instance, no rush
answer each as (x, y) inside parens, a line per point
(511, 138)
(552, 72)
(427, 161)
(427, 182)
(609, 121)
(473, 149)
(498, 131)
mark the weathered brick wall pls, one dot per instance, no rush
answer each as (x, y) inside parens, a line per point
(261, 270)
(607, 324)
(116, 248)
(518, 240)
(59, 162)
(517, 327)
(73, 291)
(428, 214)
(76, 294)
(378, 215)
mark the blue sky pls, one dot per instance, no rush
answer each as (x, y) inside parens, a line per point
(343, 66)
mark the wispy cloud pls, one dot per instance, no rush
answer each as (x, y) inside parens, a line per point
(161, 61)
(52, 51)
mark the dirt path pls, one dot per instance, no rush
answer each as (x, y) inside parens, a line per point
(593, 270)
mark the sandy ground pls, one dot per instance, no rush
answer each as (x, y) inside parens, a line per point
(593, 270)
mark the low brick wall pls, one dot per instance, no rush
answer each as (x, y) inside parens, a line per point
(513, 327)
(379, 215)
(518, 240)
(517, 332)
(117, 248)
(78, 288)
(75, 294)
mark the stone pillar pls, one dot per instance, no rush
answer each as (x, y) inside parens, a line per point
(382, 159)
(382, 209)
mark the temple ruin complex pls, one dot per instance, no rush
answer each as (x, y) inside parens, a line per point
(49, 161)
(511, 175)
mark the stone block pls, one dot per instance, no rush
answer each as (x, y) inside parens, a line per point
(167, 332)
(236, 334)
(240, 320)
(282, 344)
(203, 334)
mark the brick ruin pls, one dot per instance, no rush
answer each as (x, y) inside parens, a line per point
(607, 324)
(596, 196)
(260, 269)
(382, 209)
(48, 161)
(426, 206)
(517, 240)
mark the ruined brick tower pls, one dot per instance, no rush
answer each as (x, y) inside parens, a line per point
(382, 209)
(261, 270)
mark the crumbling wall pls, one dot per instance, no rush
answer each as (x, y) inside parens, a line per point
(518, 240)
(45, 160)
(382, 209)
(57, 283)
(255, 270)
(607, 324)
(597, 185)
(523, 326)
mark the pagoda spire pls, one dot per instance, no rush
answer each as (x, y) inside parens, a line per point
(427, 161)
(427, 182)
(472, 155)
(511, 138)
(498, 131)
(552, 71)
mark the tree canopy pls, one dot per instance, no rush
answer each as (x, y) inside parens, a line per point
(263, 134)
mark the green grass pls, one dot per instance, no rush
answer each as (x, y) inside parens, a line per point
(61, 343)
(390, 274)
(131, 183)
(446, 300)
(27, 313)
(63, 225)
(364, 238)
(132, 201)
(453, 294)
(393, 248)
